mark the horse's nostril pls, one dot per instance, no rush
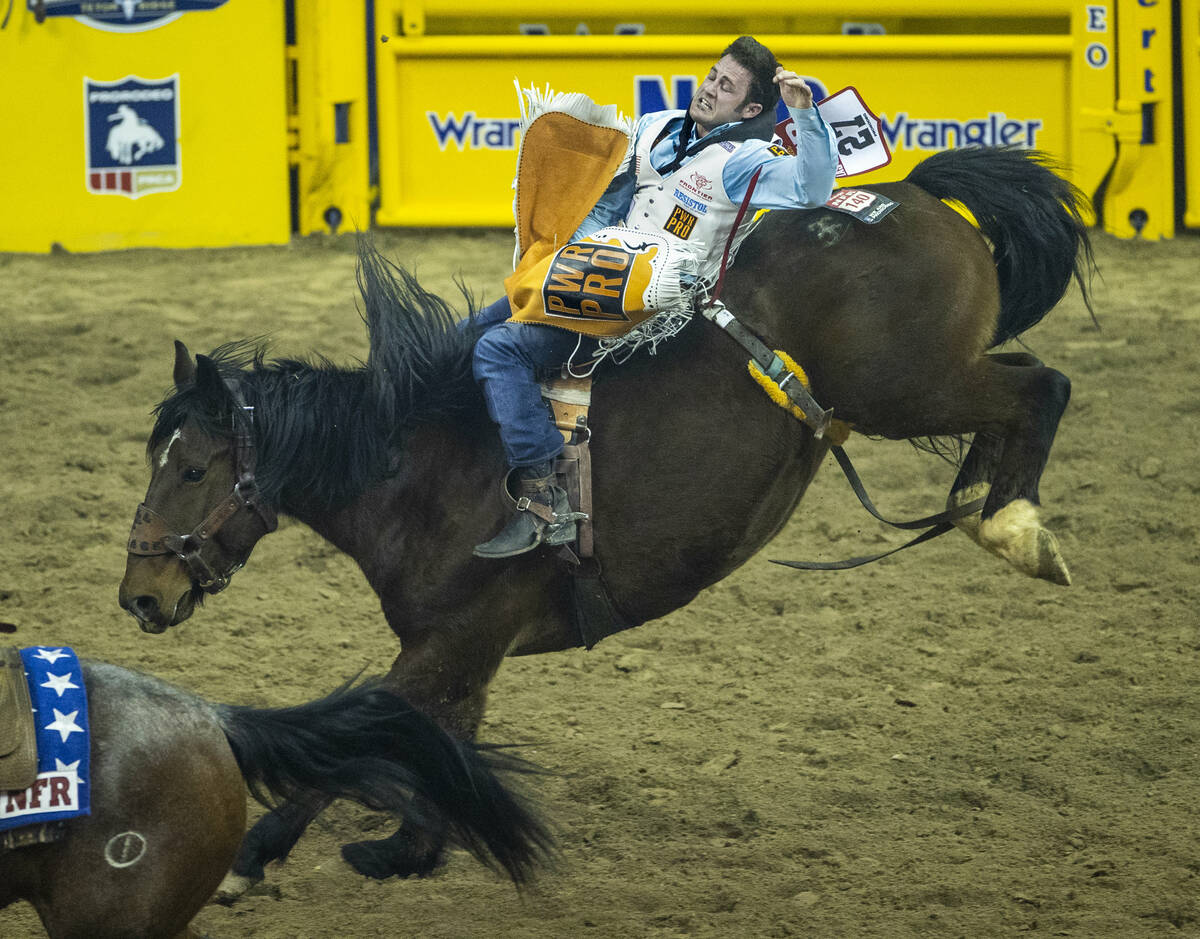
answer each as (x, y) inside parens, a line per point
(143, 607)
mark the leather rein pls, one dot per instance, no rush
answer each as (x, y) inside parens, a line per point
(153, 536)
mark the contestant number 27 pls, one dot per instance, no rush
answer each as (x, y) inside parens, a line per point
(853, 135)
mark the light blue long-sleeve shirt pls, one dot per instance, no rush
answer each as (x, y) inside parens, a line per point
(803, 181)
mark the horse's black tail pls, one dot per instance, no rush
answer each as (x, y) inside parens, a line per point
(369, 745)
(1029, 213)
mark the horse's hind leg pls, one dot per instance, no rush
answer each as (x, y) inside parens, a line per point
(419, 676)
(974, 480)
(272, 837)
(1006, 466)
(410, 852)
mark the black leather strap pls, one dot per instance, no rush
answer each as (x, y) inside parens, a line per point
(949, 515)
(935, 525)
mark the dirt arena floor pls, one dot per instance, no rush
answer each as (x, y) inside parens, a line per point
(930, 746)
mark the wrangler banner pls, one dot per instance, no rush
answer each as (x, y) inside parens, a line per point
(447, 147)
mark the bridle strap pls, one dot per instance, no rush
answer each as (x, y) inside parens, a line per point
(153, 536)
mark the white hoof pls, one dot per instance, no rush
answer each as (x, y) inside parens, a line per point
(1015, 533)
(233, 887)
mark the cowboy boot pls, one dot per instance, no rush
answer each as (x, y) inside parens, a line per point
(543, 516)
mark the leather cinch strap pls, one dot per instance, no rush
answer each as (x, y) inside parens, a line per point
(18, 737)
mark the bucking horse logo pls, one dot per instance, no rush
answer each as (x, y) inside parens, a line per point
(132, 138)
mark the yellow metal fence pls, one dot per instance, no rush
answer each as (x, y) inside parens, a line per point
(1089, 83)
(172, 136)
(253, 119)
(1189, 54)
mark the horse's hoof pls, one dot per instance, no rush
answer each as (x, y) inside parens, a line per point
(1051, 565)
(1016, 534)
(380, 860)
(233, 888)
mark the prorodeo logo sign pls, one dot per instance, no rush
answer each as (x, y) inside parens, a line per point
(132, 132)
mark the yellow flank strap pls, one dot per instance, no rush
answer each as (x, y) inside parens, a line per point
(774, 392)
(838, 430)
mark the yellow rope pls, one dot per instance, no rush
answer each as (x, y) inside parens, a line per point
(774, 392)
(838, 430)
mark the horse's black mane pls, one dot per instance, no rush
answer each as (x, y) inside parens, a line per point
(324, 432)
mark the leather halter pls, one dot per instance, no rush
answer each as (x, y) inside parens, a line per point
(153, 536)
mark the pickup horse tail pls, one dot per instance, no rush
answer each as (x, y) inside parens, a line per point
(369, 745)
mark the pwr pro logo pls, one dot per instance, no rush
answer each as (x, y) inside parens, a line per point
(589, 281)
(132, 136)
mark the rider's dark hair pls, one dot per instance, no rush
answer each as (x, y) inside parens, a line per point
(760, 62)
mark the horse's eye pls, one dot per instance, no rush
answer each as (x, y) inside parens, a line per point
(193, 474)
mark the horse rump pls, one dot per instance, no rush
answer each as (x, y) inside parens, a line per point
(367, 744)
(1031, 215)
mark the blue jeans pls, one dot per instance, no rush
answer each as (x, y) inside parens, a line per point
(508, 360)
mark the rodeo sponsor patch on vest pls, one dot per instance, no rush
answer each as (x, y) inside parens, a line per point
(681, 223)
(132, 131)
(694, 205)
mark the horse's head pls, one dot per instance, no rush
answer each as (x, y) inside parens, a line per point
(201, 516)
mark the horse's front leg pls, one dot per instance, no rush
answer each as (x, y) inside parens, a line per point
(448, 681)
(272, 838)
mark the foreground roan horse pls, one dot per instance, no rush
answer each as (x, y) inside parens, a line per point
(168, 790)
(695, 470)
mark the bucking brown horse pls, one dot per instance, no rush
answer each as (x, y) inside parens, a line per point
(394, 462)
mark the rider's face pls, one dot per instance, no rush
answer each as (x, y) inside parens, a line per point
(721, 97)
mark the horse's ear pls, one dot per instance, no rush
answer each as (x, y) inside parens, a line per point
(211, 385)
(185, 368)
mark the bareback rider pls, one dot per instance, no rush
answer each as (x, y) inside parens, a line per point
(705, 157)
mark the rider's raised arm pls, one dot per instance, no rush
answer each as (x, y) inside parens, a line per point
(801, 182)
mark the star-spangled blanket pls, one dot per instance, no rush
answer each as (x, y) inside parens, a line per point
(60, 715)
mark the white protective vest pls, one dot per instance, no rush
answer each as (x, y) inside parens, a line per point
(690, 203)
